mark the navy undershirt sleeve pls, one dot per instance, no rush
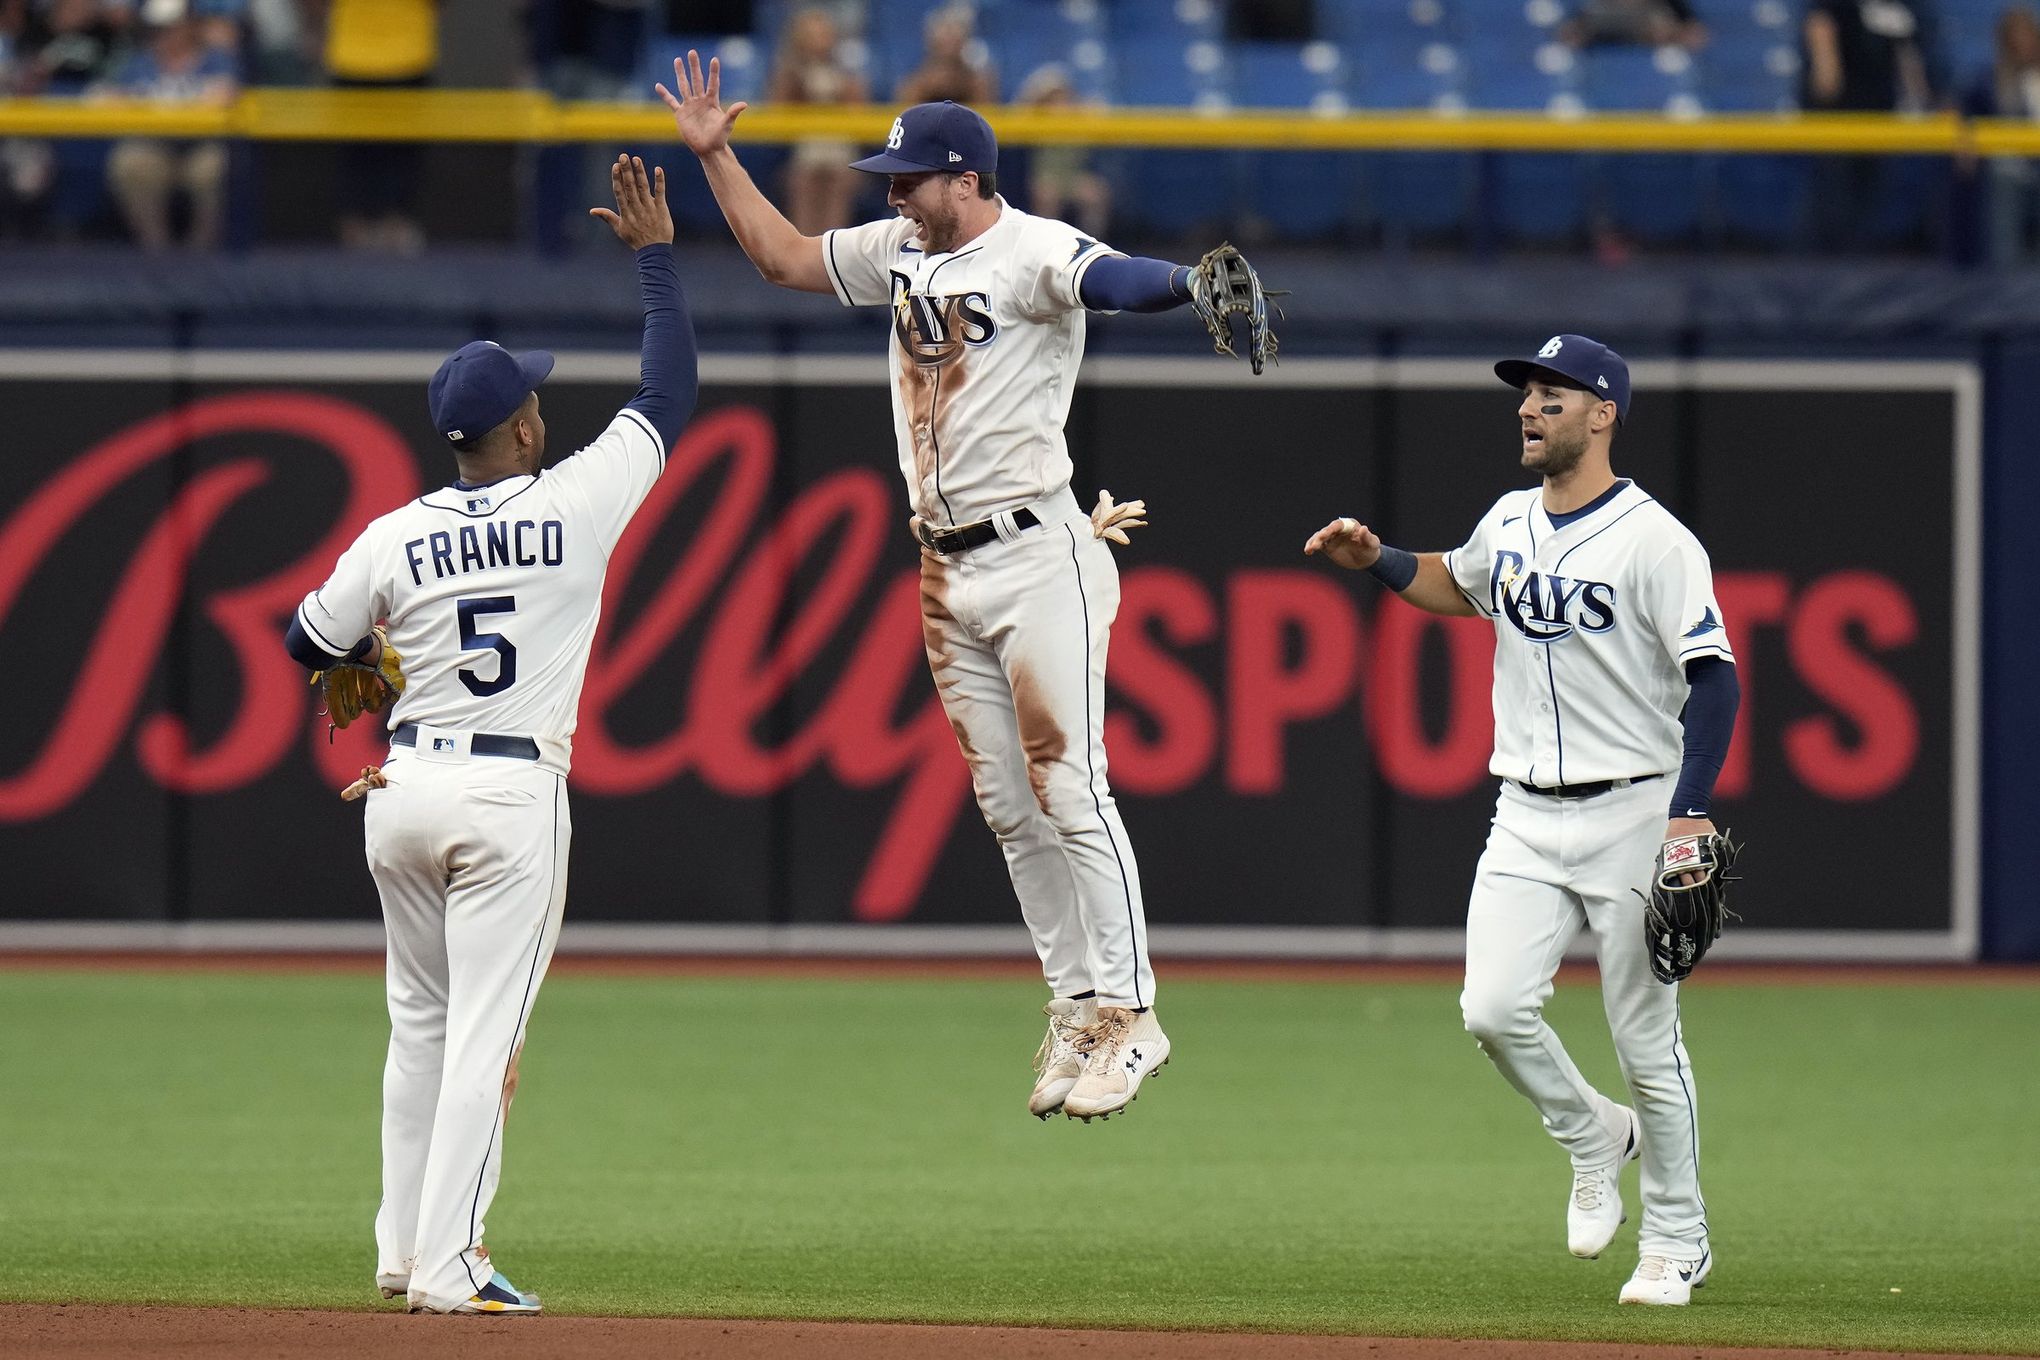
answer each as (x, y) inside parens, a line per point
(1709, 721)
(669, 368)
(310, 654)
(1119, 283)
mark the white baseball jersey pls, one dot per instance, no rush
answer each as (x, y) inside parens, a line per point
(1594, 624)
(491, 595)
(986, 343)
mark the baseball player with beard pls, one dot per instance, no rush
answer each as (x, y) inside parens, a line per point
(1018, 587)
(490, 590)
(1613, 674)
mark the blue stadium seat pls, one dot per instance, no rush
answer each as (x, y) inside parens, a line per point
(1023, 38)
(1412, 195)
(1649, 197)
(1753, 70)
(1302, 194)
(1173, 190)
(746, 63)
(1358, 23)
(1533, 197)
(1758, 200)
(1663, 80)
(1180, 20)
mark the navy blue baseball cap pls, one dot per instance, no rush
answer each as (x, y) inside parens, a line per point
(946, 137)
(1587, 362)
(481, 386)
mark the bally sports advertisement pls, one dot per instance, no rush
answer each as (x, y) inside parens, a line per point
(759, 739)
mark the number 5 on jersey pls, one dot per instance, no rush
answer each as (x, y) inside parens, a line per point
(473, 639)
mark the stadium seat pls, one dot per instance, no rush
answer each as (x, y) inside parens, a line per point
(1411, 195)
(1361, 23)
(1180, 20)
(1648, 197)
(1530, 197)
(1173, 190)
(745, 62)
(1022, 38)
(1302, 194)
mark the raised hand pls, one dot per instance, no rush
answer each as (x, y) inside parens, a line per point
(698, 113)
(1347, 542)
(641, 217)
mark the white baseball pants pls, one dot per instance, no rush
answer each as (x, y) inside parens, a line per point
(1553, 866)
(1016, 633)
(470, 856)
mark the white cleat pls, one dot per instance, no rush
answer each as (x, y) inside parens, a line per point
(1060, 1059)
(1129, 1047)
(1665, 1280)
(1595, 1210)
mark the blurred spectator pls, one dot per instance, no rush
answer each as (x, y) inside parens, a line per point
(1060, 181)
(1270, 20)
(588, 49)
(175, 67)
(2010, 89)
(27, 167)
(1633, 23)
(731, 17)
(381, 45)
(1864, 55)
(71, 44)
(1861, 56)
(947, 70)
(281, 44)
(819, 180)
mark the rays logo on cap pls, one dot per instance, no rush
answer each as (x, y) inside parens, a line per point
(898, 135)
(1551, 347)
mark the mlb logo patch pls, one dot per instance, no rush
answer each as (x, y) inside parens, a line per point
(478, 505)
(444, 743)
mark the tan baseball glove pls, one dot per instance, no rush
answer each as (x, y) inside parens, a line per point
(1112, 520)
(352, 688)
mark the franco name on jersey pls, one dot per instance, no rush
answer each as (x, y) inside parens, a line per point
(499, 543)
(1543, 607)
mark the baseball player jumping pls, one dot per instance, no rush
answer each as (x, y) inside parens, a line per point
(489, 591)
(1612, 674)
(1018, 587)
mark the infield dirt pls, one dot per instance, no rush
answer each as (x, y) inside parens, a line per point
(109, 1333)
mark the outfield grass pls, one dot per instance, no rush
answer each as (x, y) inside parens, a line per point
(1317, 1158)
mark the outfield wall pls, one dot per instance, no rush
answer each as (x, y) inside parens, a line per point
(1301, 765)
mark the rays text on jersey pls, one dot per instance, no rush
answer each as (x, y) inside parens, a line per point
(1545, 608)
(514, 543)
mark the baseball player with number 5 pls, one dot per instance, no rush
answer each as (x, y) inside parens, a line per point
(489, 591)
(1612, 673)
(1018, 585)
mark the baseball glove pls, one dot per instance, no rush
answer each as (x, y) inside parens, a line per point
(1228, 298)
(1110, 519)
(1688, 902)
(352, 688)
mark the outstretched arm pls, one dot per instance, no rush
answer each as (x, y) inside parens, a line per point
(775, 245)
(668, 368)
(1119, 283)
(1421, 578)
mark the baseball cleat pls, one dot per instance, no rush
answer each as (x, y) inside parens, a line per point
(1595, 1210)
(1060, 1059)
(1667, 1280)
(499, 1296)
(1129, 1047)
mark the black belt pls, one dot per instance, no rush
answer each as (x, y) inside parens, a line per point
(481, 743)
(1592, 789)
(964, 537)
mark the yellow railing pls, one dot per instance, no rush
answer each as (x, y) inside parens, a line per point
(533, 116)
